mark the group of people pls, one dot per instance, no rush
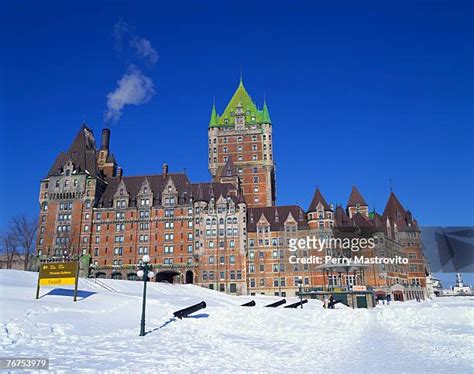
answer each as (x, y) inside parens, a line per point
(329, 303)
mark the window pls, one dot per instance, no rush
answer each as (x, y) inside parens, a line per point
(239, 139)
(232, 259)
(255, 179)
(211, 259)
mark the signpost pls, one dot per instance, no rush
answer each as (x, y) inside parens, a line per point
(58, 274)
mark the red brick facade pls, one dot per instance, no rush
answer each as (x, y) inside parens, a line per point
(227, 234)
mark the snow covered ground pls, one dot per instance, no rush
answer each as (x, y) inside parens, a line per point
(100, 331)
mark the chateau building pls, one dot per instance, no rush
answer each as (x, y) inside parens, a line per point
(225, 234)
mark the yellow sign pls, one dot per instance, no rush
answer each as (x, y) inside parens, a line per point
(57, 281)
(58, 274)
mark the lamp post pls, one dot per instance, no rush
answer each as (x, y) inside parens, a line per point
(300, 283)
(145, 273)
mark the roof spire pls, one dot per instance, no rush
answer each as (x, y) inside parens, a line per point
(213, 121)
(356, 198)
(241, 76)
(265, 114)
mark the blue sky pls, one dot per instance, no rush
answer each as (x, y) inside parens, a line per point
(359, 92)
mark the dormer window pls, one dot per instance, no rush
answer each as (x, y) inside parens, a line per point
(247, 112)
(231, 114)
(226, 121)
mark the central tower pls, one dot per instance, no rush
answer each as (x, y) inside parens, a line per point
(243, 135)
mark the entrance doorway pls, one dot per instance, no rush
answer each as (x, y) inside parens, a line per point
(189, 277)
(166, 276)
(397, 295)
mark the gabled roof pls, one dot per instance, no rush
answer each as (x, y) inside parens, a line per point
(208, 190)
(82, 153)
(157, 184)
(318, 198)
(356, 198)
(276, 217)
(229, 169)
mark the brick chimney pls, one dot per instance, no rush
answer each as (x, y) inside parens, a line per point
(105, 139)
(165, 170)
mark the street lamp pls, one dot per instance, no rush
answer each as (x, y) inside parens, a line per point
(145, 273)
(300, 282)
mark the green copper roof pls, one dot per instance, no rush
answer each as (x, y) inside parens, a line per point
(265, 114)
(253, 115)
(213, 122)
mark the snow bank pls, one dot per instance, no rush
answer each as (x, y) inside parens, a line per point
(100, 331)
